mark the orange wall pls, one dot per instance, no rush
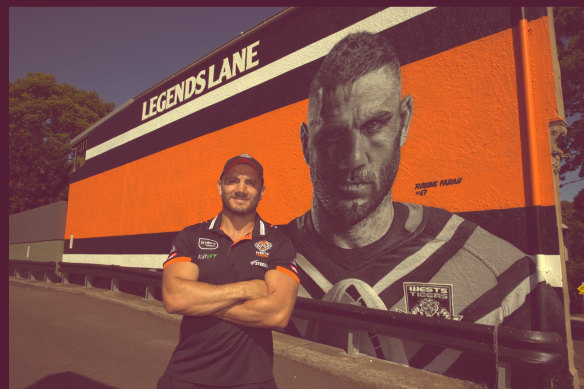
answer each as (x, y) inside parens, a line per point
(465, 124)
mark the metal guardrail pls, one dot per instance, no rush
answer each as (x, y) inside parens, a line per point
(534, 349)
(33, 270)
(150, 278)
(543, 351)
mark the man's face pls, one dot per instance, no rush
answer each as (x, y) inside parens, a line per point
(352, 144)
(241, 189)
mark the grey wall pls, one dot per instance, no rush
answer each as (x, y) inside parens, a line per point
(46, 223)
(47, 251)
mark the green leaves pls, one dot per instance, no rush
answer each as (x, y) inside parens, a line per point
(573, 218)
(569, 27)
(43, 117)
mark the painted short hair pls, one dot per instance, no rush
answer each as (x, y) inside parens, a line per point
(352, 57)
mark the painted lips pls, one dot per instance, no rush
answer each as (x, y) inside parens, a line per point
(354, 189)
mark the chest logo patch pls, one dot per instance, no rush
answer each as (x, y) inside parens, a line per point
(207, 244)
(429, 300)
(263, 246)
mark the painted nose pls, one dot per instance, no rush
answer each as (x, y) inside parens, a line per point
(353, 151)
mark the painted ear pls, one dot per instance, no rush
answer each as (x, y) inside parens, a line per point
(262, 192)
(406, 109)
(304, 140)
(219, 188)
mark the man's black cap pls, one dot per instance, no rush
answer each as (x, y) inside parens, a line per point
(247, 159)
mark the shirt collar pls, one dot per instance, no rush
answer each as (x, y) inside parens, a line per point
(259, 228)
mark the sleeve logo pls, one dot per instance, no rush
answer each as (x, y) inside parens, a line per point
(207, 244)
(173, 253)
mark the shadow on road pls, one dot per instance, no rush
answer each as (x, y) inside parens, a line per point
(68, 380)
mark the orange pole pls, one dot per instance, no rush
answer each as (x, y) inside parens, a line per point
(534, 185)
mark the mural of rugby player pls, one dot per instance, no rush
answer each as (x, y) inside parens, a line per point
(356, 245)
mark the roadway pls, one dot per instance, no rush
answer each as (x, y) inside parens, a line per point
(67, 336)
(70, 340)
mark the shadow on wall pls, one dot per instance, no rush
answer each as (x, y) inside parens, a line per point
(68, 380)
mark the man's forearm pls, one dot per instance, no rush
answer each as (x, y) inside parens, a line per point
(262, 312)
(271, 311)
(194, 298)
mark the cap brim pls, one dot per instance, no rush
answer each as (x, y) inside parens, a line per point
(245, 161)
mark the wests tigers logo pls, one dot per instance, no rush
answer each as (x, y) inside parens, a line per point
(263, 246)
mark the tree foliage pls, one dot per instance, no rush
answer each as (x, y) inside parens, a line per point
(569, 27)
(573, 218)
(43, 117)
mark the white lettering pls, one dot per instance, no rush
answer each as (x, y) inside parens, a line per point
(160, 107)
(212, 82)
(179, 92)
(200, 82)
(144, 114)
(189, 90)
(238, 62)
(170, 98)
(152, 111)
(225, 70)
(250, 54)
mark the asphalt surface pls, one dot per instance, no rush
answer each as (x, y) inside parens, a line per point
(68, 336)
(68, 340)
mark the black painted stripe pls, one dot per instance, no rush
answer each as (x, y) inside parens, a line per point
(506, 282)
(425, 355)
(428, 34)
(516, 225)
(160, 243)
(311, 287)
(508, 224)
(428, 269)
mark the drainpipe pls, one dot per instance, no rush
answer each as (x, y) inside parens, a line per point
(533, 193)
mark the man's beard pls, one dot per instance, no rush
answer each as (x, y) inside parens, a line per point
(251, 207)
(338, 207)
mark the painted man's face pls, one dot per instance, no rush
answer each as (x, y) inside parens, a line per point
(352, 144)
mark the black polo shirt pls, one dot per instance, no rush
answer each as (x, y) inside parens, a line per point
(212, 351)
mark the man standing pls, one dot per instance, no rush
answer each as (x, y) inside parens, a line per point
(234, 279)
(356, 245)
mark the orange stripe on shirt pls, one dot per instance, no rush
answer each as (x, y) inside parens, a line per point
(289, 272)
(175, 260)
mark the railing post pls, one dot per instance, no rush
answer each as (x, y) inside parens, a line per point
(115, 285)
(88, 280)
(353, 339)
(65, 279)
(503, 375)
(353, 344)
(149, 292)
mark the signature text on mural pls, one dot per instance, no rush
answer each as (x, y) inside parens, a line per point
(422, 187)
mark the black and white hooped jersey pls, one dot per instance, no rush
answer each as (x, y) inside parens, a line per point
(430, 263)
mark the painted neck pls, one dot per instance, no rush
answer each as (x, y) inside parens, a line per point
(364, 232)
